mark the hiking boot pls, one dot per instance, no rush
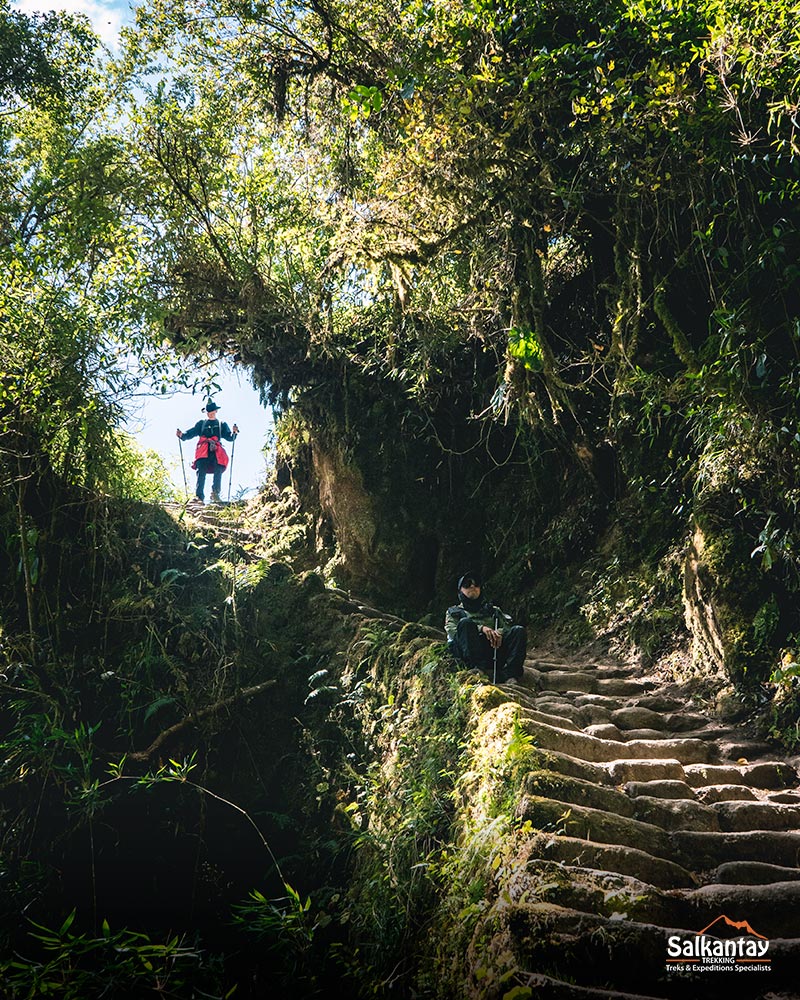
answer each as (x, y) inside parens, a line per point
(513, 682)
(215, 497)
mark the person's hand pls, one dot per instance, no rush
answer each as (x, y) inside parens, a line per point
(235, 429)
(495, 638)
(179, 433)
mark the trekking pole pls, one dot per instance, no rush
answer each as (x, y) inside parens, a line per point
(233, 450)
(494, 678)
(183, 468)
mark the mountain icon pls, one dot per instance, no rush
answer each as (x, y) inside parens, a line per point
(738, 925)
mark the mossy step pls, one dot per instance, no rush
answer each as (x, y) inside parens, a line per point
(578, 791)
(575, 767)
(693, 849)
(625, 954)
(593, 749)
(770, 909)
(772, 774)
(669, 814)
(753, 873)
(607, 894)
(661, 872)
(594, 824)
(703, 851)
(551, 718)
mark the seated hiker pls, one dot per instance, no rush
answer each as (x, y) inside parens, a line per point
(482, 636)
(210, 456)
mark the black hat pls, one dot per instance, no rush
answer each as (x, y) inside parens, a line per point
(468, 579)
(211, 405)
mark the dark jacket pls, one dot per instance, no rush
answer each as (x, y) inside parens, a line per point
(210, 428)
(485, 614)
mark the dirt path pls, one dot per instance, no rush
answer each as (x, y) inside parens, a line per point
(659, 821)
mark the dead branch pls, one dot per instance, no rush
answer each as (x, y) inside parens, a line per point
(195, 717)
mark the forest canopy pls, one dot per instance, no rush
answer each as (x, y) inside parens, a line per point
(524, 226)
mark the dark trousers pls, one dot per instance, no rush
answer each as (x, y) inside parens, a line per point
(475, 650)
(204, 467)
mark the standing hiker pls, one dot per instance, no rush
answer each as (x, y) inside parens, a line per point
(209, 456)
(482, 636)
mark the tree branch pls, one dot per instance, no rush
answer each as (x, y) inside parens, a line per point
(195, 717)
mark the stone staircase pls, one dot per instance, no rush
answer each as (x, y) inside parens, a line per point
(648, 819)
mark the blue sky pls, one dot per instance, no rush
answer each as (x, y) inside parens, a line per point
(107, 18)
(153, 420)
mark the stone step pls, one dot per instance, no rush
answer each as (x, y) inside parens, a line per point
(764, 774)
(675, 814)
(702, 851)
(725, 793)
(737, 816)
(596, 669)
(564, 708)
(615, 772)
(596, 824)
(660, 702)
(786, 798)
(588, 683)
(636, 717)
(589, 948)
(669, 814)
(633, 861)
(594, 715)
(752, 751)
(641, 717)
(652, 734)
(593, 749)
(578, 791)
(552, 719)
(661, 769)
(590, 890)
(771, 909)
(660, 789)
(563, 680)
(753, 873)
(603, 731)
(575, 767)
